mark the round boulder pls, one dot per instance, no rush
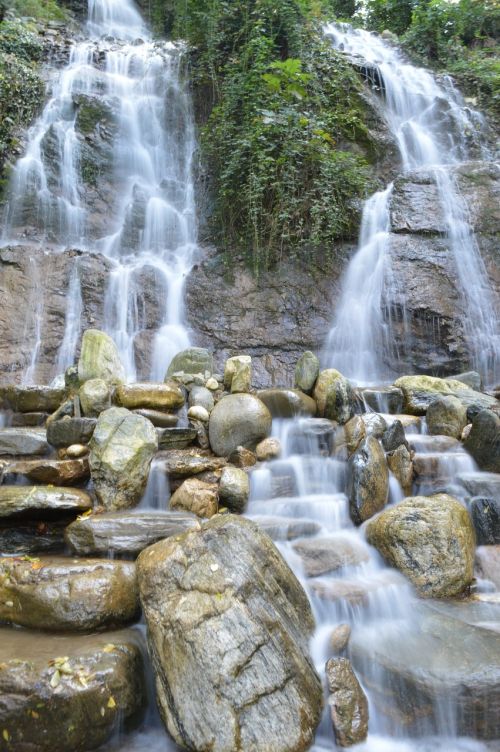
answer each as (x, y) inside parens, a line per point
(430, 540)
(334, 396)
(238, 420)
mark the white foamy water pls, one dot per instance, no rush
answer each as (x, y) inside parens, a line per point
(300, 498)
(432, 128)
(148, 232)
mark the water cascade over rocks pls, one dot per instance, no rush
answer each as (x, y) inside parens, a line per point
(357, 604)
(434, 131)
(123, 189)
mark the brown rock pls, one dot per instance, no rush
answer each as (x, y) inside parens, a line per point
(197, 497)
(348, 703)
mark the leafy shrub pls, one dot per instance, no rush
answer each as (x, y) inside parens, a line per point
(284, 112)
(18, 39)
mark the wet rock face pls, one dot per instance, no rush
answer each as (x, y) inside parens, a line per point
(430, 335)
(446, 662)
(483, 441)
(430, 540)
(64, 594)
(18, 502)
(446, 416)
(121, 451)
(228, 626)
(101, 684)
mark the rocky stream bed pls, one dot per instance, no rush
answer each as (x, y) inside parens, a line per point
(312, 566)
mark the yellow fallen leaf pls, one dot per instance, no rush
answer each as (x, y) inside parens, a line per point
(109, 648)
(111, 702)
(34, 714)
(6, 735)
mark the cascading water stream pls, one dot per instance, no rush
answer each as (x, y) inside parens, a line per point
(300, 499)
(432, 128)
(147, 228)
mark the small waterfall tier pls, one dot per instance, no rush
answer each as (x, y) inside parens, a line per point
(434, 131)
(108, 170)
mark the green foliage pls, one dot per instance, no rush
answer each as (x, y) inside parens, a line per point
(394, 15)
(345, 9)
(18, 39)
(285, 112)
(462, 39)
(21, 88)
(40, 10)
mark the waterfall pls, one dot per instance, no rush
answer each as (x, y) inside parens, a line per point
(132, 200)
(431, 126)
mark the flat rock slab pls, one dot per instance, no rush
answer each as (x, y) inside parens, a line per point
(441, 662)
(31, 399)
(125, 533)
(57, 594)
(68, 431)
(54, 472)
(481, 484)
(149, 396)
(68, 694)
(23, 441)
(322, 555)
(176, 438)
(50, 501)
(286, 528)
(286, 403)
(182, 463)
(158, 418)
(33, 537)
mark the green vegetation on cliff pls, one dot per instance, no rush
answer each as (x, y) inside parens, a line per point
(285, 139)
(21, 88)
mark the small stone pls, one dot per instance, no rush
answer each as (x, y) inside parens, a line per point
(401, 466)
(466, 432)
(242, 457)
(197, 497)
(268, 449)
(212, 384)
(367, 480)
(394, 436)
(348, 703)
(197, 412)
(355, 432)
(75, 451)
(158, 418)
(340, 638)
(201, 396)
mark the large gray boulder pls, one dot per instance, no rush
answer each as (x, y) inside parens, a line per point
(238, 420)
(99, 358)
(68, 694)
(430, 540)
(66, 595)
(367, 480)
(121, 451)
(228, 626)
